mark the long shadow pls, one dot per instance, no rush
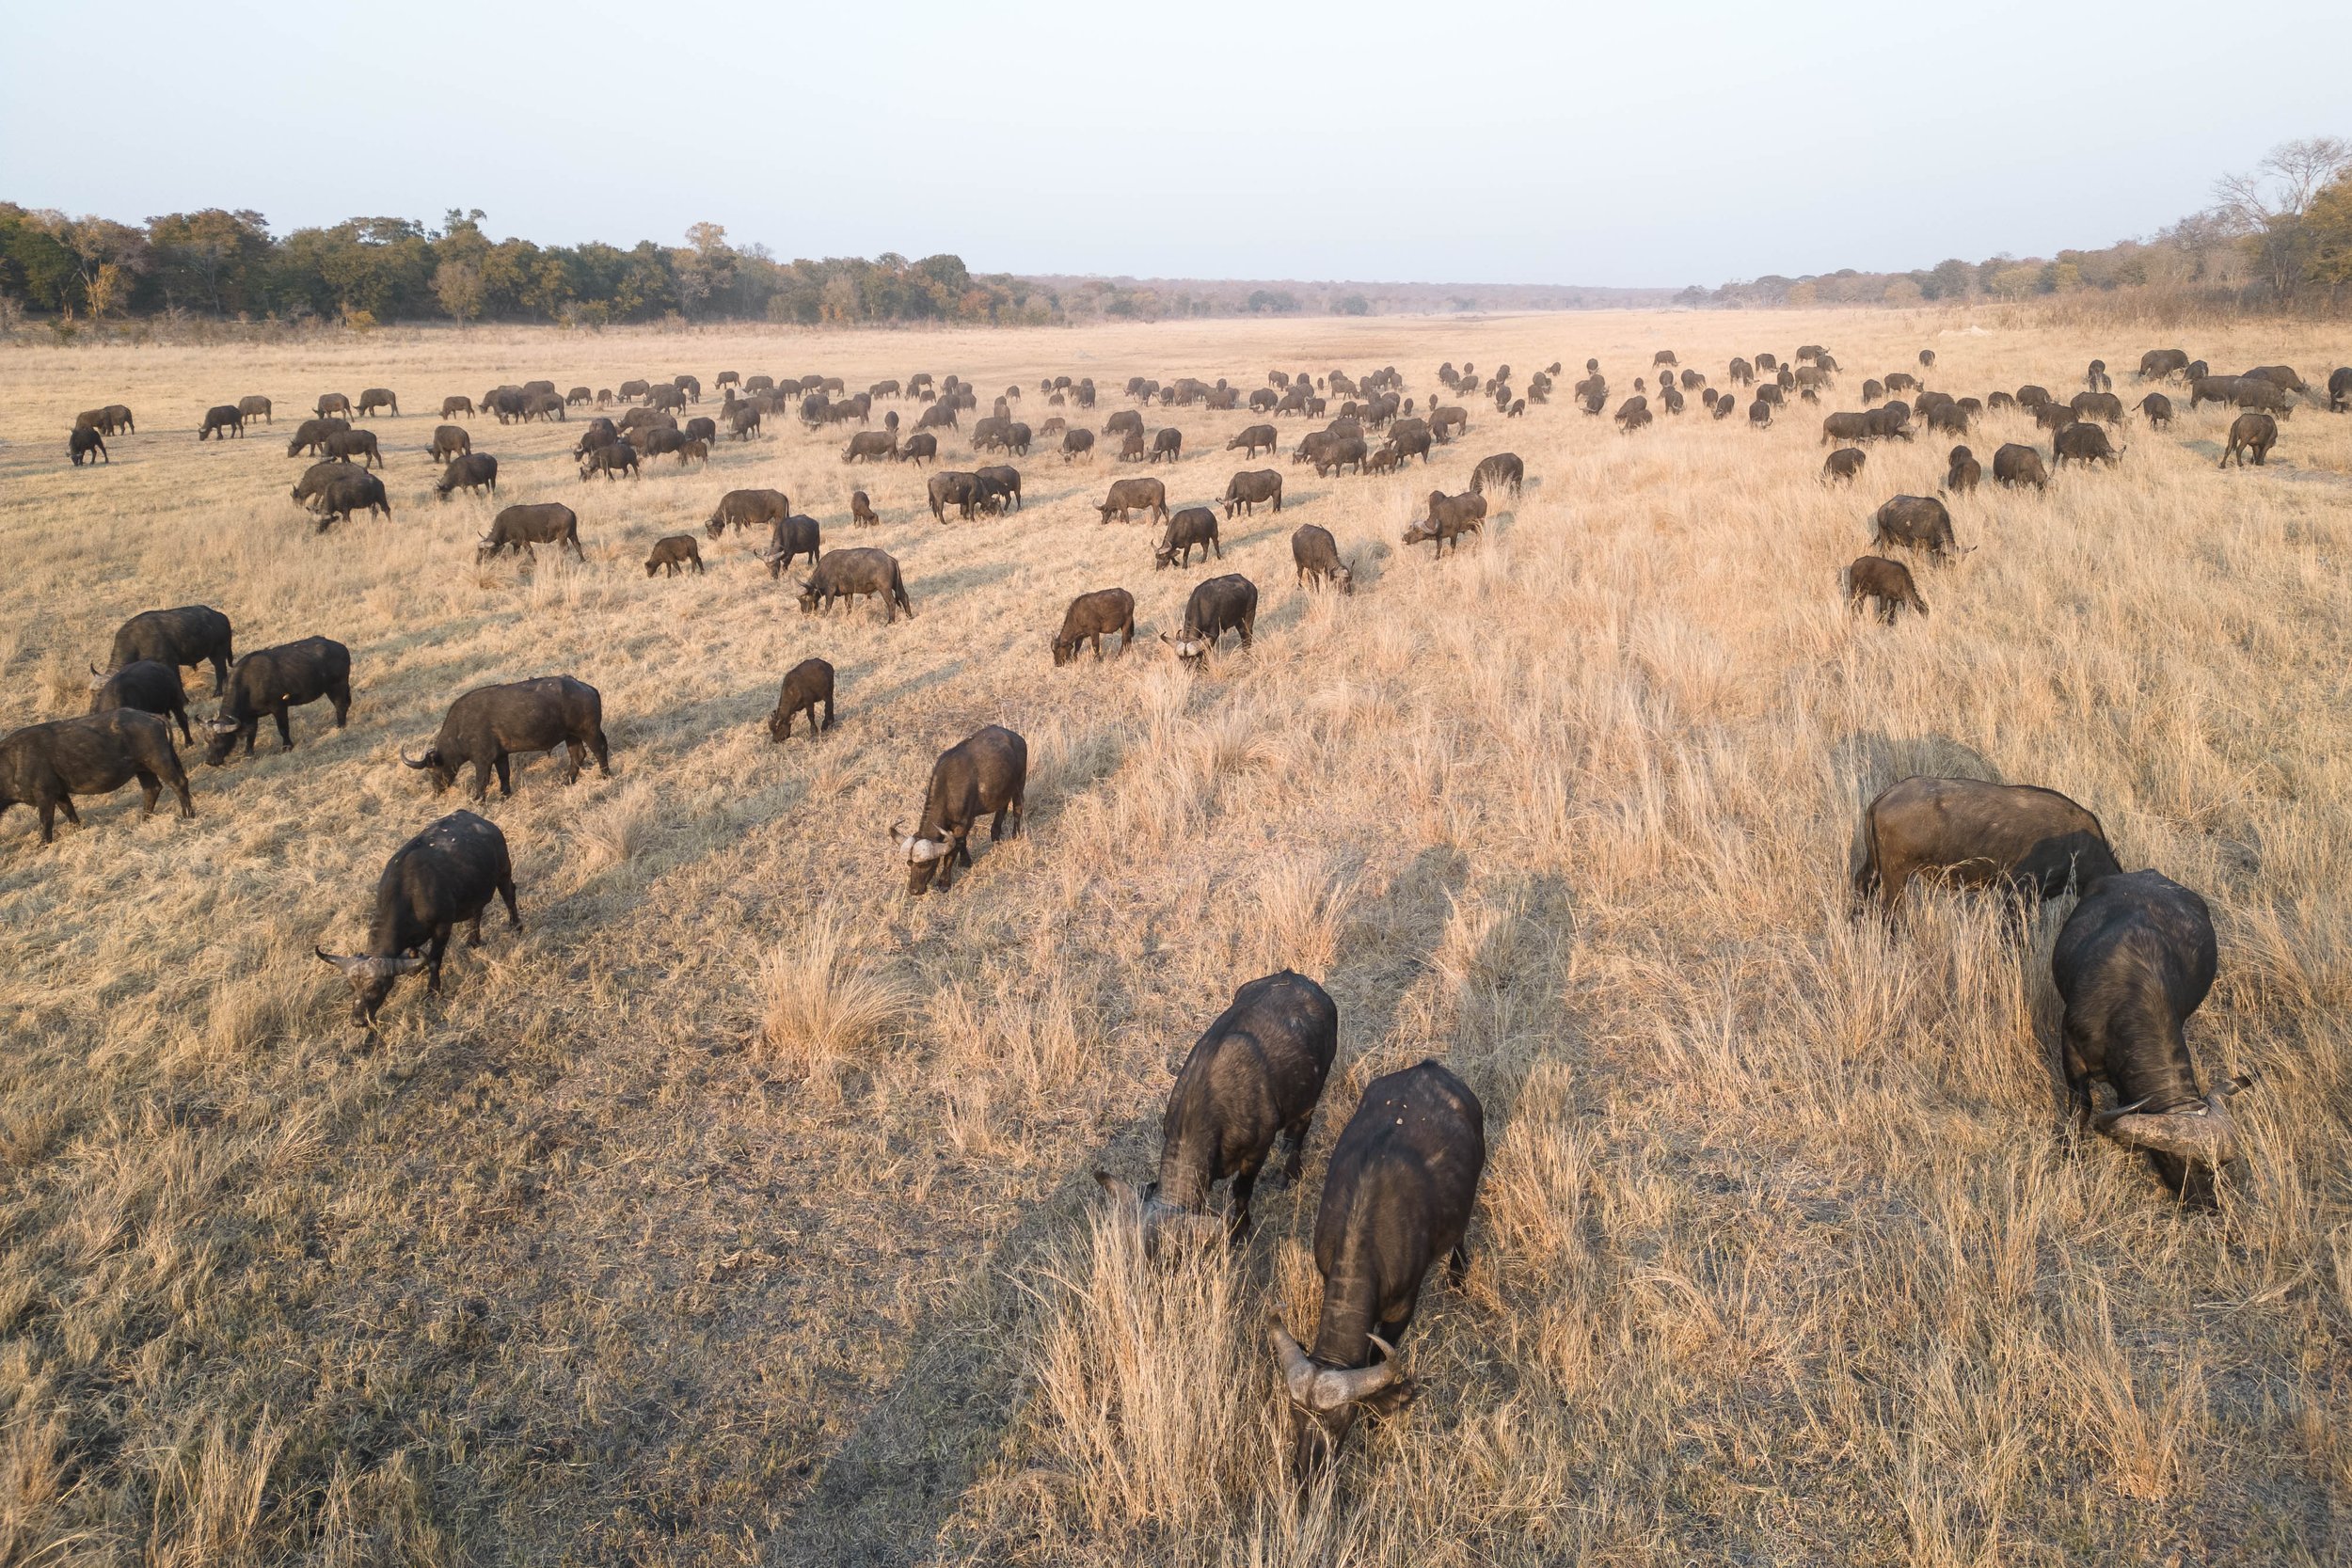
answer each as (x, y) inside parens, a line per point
(895, 1483)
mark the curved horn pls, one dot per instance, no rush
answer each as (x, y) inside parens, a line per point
(221, 726)
(2206, 1134)
(413, 762)
(345, 963)
(96, 671)
(897, 830)
(1298, 1374)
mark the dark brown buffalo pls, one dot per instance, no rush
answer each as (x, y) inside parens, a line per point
(1844, 465)
(186, 638)
(862, 513)
(2212, 388)
(2134, 961)
(332, 402)
(2014, 465)
(476, 471)
(45, 766)
(1190, 526)
(805, 685)
(1254, 1075)
(376, 398)
(1503, 468)
(436, 881)
(1091, 617)
(1217, 606)
(311, 436)
(2340, 389)
(270, 682)
(919, 448)
(2103, 406)
(2157, 409)
(1962, 471)
(1396, 1198)
(1340, 453)
(451, 407)
(522, 527)
(674, 553)
(1887, 582)
(84, 439)
(747, 509)
(789, 540)
(353, 491)
(2030, 843)
(1257, 438)
(449, 441)
(492, 723)
(1921, 522)
(1316, 557)
(1410, 438)
(1449, 518)
(2082, 443)
(2254, 433)
(144, 685)
(2159, 363)
(256, 407)
(610, 461)
(987, 771)
(345, 444)
(869, 445)
(852, 575)
(223, 420)
(1245, 491)
(1128, 495)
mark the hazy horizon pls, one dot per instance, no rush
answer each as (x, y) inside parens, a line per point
(1522, 147)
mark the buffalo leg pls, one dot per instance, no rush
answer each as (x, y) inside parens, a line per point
(1244, 1183)
(285, 729)
(341, 696)
(604, 755)
(504, 767)
(150, 791)
(433, 960)
(812, 712)
(474, 937)
(574, 754)
(1297, 1135)
(65, 804)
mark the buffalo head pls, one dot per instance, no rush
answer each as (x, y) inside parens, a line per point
(1327, 1401)
(222, 741)
(444, 771)
(370, 975)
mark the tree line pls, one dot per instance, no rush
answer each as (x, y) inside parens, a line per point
(227, 266)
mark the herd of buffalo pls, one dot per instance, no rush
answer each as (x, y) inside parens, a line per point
(2135, 957)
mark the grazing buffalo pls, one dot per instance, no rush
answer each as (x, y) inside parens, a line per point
(82, 440)
(747, 509)
(854, 574)
(1887, 582)
(1503, 468)
(45, 766)
(346, 493)
(376, 398)
(223, 420)
(674, 552)
(256, 407)
(110, 420)
(144, 685)
(2030, 843)
(1000, 484)
(1104, 613)
(1921, 522)
(436, 881)
(2157, 409)
(1449, 518)
(2159, 363)
(1128, 495)
(1217, 606)
(986, 771)
(952, 487)
(2254, 433)
(343, 444)
(1963, 473)
(1316, 556)
(477, 471)
(522, 527)
(862, 513)
(1397, 1198)
(2133, 961)
(2103, 406)
(1254, 1075)
(744, 420)
(1167, 443)
(451, 407)
(2082, 443)
(2340, 389)
(1844, 464)
(1257, 438)
(2016, 465)
(580, 397)
(2253, 391)
(184, 638)
(2212, 388)
(1244, 491)
(789, 540)
(1633, 413)
(919, 448)
(448, 440)
(332, 402)
(869, 445)
(1193, 525)
(1340, 453)
(610, 461)
(491, 723)
(311, 436)
(1410, 438)
(2284, 377)
(272, 681)
(805, 685)
(1947, 417)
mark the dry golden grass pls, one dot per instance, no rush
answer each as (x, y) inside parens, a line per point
(738, 1209)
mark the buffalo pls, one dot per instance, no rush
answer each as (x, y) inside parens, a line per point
(439, 879)
(747, 509)
(1316, 556)
(223, 420)
(610, 461)
(311, 436)
(522, 527)
(791, 538)
(1128, 495)
(271, 681)
(2159, 363)
(1104, 613)
(2254, 433)
(332, 402)
(918, 448)
(2014, 465)
(82, 440)
(2103, 406)
(256, 407)
(45, 766)
(674, 552)
(1844, 464)
(376, 398)
(1887, 582)
(986, 771)
(146, 684)
(1503, 468)
(1962, 471)
(344, 494)
(862, 513)
(1449, 518)
(1217, 606)
(1257, 438)
(1255, 1074)
(491, 723)
(869, 446)
(1919, 521)
(2030, 843)
(453, 406)
(344, 444)
(1193, 525)
(951, 487)
(184, 638)
(2340, 389)
(851, 574)
(805, 685)
(1397, 1198)
(2133, 961)
(2157, 408)
(475, 471)
(449, 441)
(2082, 443)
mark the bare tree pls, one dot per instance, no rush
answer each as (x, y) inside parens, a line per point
(2266, 204)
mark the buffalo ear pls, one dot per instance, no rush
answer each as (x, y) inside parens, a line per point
(1392, 1398)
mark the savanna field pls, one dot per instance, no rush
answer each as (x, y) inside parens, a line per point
(740, 1209)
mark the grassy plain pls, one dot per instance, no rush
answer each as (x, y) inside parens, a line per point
(740, 1209)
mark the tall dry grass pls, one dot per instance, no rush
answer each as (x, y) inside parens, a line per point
(738, 1208)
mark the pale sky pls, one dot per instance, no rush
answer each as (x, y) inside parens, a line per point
(1626, 144)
